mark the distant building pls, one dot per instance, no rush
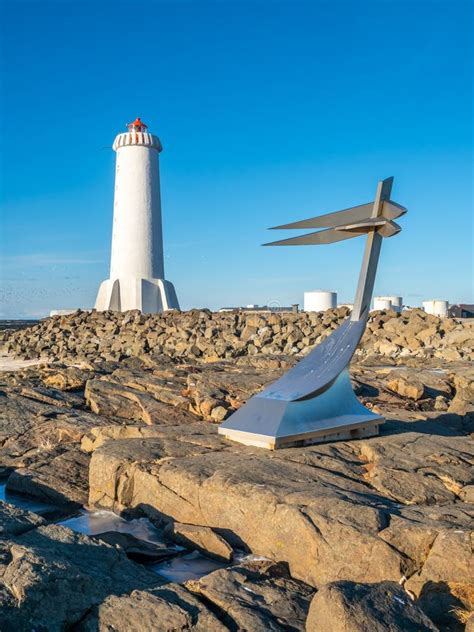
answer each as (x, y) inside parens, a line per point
(461, 310)
(263, 309)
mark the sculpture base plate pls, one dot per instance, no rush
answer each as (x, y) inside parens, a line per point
(345, 432)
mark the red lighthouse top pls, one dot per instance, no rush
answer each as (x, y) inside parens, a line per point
(137, 125)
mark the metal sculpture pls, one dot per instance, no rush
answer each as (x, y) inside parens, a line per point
(314, 401)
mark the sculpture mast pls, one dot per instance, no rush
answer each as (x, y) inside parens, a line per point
(365, 287)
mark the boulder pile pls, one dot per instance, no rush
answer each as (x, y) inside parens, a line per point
(210, 336)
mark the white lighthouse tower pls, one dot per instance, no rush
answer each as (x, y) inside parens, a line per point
(136, 268)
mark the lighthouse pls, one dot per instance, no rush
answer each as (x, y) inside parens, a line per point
(137, 277)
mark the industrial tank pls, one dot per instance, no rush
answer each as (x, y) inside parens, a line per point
(382, 303)
(436, 307)
(394, 303)
(397, 302)
(319, 301)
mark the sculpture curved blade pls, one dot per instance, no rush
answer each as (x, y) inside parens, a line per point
(321, 367)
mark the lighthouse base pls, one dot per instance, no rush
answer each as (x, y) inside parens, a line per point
(147, 295)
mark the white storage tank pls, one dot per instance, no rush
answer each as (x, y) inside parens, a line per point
(319, 301)
(397, 302)
(394, 303)
(382, 303)
(436, 307)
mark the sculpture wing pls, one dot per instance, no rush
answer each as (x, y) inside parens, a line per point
(390, 210)
(386, 228)
(389, 229)
(352, 214)
(320, 237)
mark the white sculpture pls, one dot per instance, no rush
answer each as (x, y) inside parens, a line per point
(136, 268)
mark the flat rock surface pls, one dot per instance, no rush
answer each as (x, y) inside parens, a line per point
(316, 505)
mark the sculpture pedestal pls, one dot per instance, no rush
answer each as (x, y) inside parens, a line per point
(334, 415)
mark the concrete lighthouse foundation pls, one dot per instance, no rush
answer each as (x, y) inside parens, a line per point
(137, 268)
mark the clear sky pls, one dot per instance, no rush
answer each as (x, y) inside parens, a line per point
(268, 112)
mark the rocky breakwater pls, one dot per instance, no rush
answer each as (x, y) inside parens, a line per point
(203, 335)
(357, 535)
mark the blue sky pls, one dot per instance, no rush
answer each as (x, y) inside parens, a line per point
(268, 112)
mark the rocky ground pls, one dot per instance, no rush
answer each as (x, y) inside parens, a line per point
(353, 536)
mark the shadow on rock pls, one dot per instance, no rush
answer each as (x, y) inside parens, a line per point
(445, 425)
